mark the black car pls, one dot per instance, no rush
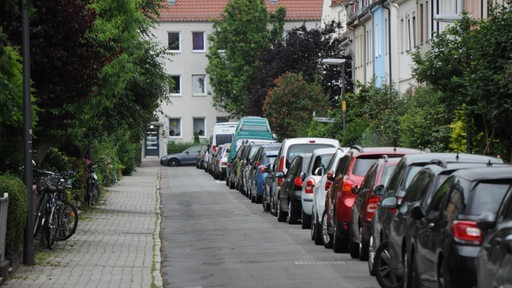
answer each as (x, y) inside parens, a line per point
(494, 261)
(290, 192)
(447, 239)
(401, 230)
(405, 171)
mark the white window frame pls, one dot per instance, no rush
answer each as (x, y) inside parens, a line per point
(179, 126)
(197, 90)
(204, 41)
(179, 82)
(194, 119)
(179, 41)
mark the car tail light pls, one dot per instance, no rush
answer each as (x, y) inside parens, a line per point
(214, 148)
(328, 184)
(297, 181)
(312, 141)
(466, 232)
(310, 184)
(224, 164)
(281, 166)
(347, 186)
(371, 207)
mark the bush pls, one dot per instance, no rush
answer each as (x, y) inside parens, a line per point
(16, 214)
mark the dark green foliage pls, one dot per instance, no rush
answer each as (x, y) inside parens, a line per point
(17, 212)
(174, 147)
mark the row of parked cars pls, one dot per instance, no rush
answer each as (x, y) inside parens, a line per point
(419, 219)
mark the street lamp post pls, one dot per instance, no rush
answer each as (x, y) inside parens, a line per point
(340, 61)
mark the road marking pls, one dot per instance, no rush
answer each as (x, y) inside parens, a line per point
(320, 262)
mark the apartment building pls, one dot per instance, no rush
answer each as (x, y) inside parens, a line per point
(183, 27)
(384, 32)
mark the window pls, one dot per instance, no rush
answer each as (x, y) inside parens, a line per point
(176, 89)
(198, 85)
(199, 127)
(174, 41)
(174, 127)
(198, 41)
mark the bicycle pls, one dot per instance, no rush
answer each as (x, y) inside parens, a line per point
(57, 217)
(92, 195)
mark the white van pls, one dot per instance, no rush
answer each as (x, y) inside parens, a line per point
(222, 133)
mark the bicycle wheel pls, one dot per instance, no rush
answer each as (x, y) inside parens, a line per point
(68, 221)
(52, 226)
(40, 214)
(95, 195)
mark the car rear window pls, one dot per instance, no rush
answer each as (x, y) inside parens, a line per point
(301, 149)
(362, 165)
(223, 138)
(487, 197)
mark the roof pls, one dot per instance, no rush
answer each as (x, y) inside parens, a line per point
(449, 157)
(205, 10)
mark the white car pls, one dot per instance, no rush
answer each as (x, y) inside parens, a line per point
(316, 168)
(319, 192)
(290, 148)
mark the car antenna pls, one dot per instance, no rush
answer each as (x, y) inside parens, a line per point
(457, 156)
(489, 164)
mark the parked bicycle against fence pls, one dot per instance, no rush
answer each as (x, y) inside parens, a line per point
(55, 219)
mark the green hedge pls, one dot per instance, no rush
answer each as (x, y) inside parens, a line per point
(16, 214)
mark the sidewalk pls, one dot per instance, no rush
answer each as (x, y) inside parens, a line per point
(117, 244)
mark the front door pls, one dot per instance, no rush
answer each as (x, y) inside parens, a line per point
(152, 147)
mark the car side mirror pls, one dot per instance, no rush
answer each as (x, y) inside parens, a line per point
(378, 190)
(486, 221)
(320, 171)
(187, 152)
(389, 202)
(302, 175)
(355, 189)
(280, 174)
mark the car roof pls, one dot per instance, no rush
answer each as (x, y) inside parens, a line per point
(321, 151)
(358, 150)
(448, 157)
(487, 173)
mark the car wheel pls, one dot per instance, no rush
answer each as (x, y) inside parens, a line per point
(353, 245)
(326, 237)
(383, 273)
(313, 223)
(363, 247)
(443, 277)
(273, 206)
(317, 226)
(174, 162)
(293, 217)
(281, 215)
(339, 244)
(306, 221)
(371, 256)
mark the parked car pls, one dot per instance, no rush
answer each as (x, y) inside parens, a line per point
(405, 171)
(448, 240)
(202, 158)
(268, 198)
(401, 229)
(290, 148)
(258, 171)
(242, 166)
(319, 192)
(290, 192)
(246, 170)
(220, 161)
(316, 168)
(340, 198)
(186, 157)
(494, 260)
(233, 170)
(365, 205)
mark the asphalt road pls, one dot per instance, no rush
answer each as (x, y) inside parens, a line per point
(215, 237)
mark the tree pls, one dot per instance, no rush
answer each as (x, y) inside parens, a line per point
(302, 53)
(291, 105)
(237, 39)
(470, 64)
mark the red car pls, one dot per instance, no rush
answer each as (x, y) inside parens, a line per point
(340, 198)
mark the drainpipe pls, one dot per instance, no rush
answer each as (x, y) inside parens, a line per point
(364, 53)
(390, 56)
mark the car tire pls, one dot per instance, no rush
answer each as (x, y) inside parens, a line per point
(383, 273)
(371, 255)
(363, 247)
(353, 246)
(411, 279)
(173, 162)
(326, 237)
(443, 277)
(281, 215)
(339, 244)
(293, 217)
(306, 221)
